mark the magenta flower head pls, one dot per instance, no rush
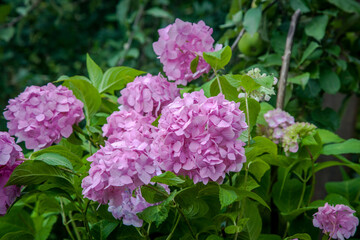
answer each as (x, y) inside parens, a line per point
(40, 116)
(179, 44)
(278, 120)
(129, 125)
(10, 193)
(198, 137)
(9, 150)
(147, 95)
(338, 221)
(117, 167)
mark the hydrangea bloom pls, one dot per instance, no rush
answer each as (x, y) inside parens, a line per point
(130, 206)
(9, 150)
(294, 133)
(147, 95)
(198, 137)
(278, 120)
(117, 167)
(41, 115)
(263, 93)
(338, 221)
(10, 193)
(130, 126)
(179, 44)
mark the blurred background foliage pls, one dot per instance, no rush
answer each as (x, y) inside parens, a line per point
(42, 40)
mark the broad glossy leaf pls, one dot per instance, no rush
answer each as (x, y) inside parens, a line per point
(157, 214)
(327, 136)
(218, 59)
(168, 178)
(94, 71)
(252, 20)
(349, 146)
(348, 189)
(316, 28)
(54, 159)
(153, 193)
(329, 80)
(229, 91)
(227, 196)
(301, 80)
(349, 6)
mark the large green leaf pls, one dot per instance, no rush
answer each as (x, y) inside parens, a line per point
(229, 91)
(301, 79)
(316, 28)
(253, 226)
(10, 222)
(349, 6)
(85, 92)
(252, 20)
(348, 189)
(227, 196)
(153, 193)
(102, 229)
(157, 214)
(261, 147)
(258, 168)
(300, 236)
(287, 199)
(94, 71)
(116, 78)
(218, 59)
(349, 146)
(36, 172)
(54, 159)
(327, 136)
(329, 80)
(168, 178)
(264, 108)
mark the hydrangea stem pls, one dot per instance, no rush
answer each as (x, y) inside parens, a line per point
(248, 117)
(218, 81)
(174, 227)
(64, 220)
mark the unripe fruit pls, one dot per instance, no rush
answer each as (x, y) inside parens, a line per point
(251, 45)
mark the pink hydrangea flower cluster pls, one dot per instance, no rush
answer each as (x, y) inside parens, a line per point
(179, 44)
(117, 167)
(10, 193)
(9, 150)
(147, 95)
(41, 115)
(278, 120)
(338, 221)
(129, 125)
(198, 137)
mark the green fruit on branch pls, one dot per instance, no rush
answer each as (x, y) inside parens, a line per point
(251, 45)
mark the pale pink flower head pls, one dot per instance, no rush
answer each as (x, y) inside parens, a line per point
(10, 193)
(130, 126)
(179, 44)
(338, 221)
(40, 116)
(147, 95)
(116, 167)
(278, 120)
(9, 150)
(198, 137)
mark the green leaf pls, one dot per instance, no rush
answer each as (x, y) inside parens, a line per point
(232, 229)
(349, 146)
(44, 226)
(252, 20)
(7, 33)
(194, 63)
(334, 199)
(214, 237)
(218, 59)
(60, 150)
(308, 51)
(9, 223)
(258, 168)
(116, 78)
(249, 84)
(253, 226)
(348, 189)
(317, 27)
(153, 194)
(168, 178)
(349, 6)
(19, 235)
(264, 108)
(102, 229)
(85, 92)
(227, 196)
(159, 13)
(229, 91)
(300, 236)
(261, 147)
(157, 214)
(327, 136)
(54, 159)
(156, 122)
(287, 199)
(36, 172)
(301, 80)
(94, 71)
(329, 80)
(300, 4)
(254, 109)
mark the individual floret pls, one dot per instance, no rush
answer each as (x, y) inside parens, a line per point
(40, 116)
(147, 95)
(198, 137)
(338, 221)
(179, 44)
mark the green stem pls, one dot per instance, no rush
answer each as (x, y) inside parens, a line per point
(312, 174)
(64, 220)
(286, 229)
(173, 230)
(302, 194)
(74, 227)
(148, 229)
(242, 206)
(218, 80)
(343, 159)
(248, 117)
(86, 223)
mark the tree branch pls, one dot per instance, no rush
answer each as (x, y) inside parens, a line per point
(286, 60)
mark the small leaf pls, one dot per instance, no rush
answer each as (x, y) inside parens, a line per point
(301, 80)
(226, 196)
(94, 71)
(300, 4)
(155, 123)
(329, 80)
(249, 84)
(157, 214)
(300, 236)
(316, 28)
(7, 33)
(168, 178)
(308, 51)
(252, 20)
(153, 194)
(194, 63)
(102, 229)
(218, 59)
(231, 229)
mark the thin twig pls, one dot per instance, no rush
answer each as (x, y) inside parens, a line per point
(20, 17)
(239, 36)
(286, 60)
(131, 36)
